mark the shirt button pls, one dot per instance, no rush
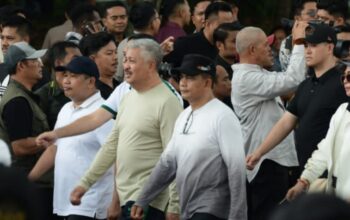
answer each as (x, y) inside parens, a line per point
(312, 91)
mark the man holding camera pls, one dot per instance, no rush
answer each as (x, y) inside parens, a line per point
(315, 101)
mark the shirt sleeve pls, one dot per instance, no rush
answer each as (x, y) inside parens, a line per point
(230, 139)
(104, 159)
(17, 116)
(293, 104)
(162, 175)
(113, 102)
(267, 85)
(171, 110)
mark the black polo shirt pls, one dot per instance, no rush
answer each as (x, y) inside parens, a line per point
(315, 101)
(105, 89)
(194, 43)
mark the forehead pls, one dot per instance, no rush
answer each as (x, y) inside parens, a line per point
(72, 51)
(323, 13)
(310, 6)
(110, 46)
(132, 52)
(232, 34)
(201, 6)
(9, 30)
(220, 71)
(116, 10)
(347, 70)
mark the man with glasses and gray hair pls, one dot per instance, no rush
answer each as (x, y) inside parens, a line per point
(205, 154)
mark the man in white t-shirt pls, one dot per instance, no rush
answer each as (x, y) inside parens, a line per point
(73, 155)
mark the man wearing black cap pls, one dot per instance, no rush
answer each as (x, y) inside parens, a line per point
(79, 84)
(205, 154)
(315, 101)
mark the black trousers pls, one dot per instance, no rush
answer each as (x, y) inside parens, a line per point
(78, 217)
(150, 214)
(267, 190)
(204, 216)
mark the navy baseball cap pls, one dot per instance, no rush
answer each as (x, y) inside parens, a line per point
(81, 65)
(320, 33)
(194, 64)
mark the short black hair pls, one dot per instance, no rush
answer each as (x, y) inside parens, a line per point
(71, 4)
(337, 8)
(141, 15)
(92, 43)
(221, 32)
(141, 36)
(194, 3)
(9, 11)
(58, 51)
(81, 13)
(23, 25)
(299, 6)
(167, 8)
(109, 5)
(215, 7)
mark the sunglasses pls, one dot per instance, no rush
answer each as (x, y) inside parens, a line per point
(188, 123)
(345, 76)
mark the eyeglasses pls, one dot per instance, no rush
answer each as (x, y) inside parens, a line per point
(188, 123)
(345, 76)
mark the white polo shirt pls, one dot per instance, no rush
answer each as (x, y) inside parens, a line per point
(74, 156)
(113, 101)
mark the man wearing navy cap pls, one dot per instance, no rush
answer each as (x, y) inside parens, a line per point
(316, 99)
(205, 154)
(73, 155)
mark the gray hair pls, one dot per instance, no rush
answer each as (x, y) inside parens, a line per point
(246, 37)
(150, 49)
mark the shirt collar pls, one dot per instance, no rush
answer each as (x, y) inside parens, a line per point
(89, 101)
(325, 77)
(35, 97)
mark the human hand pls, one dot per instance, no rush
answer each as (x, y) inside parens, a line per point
(172, 216)
(136, 212)
(298, 31)
(77, 194)
(295, 191)
(46, 139)
(252, 160)
(167, 45)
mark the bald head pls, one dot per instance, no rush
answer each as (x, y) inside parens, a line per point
(248, 36)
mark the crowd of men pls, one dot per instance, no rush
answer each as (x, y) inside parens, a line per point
(159, 123)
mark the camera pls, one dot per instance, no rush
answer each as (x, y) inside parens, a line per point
(341, 49)
(166, 71)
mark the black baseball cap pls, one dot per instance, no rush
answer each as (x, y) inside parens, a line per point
(194, 64)
(320, 33)
(81, 65)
